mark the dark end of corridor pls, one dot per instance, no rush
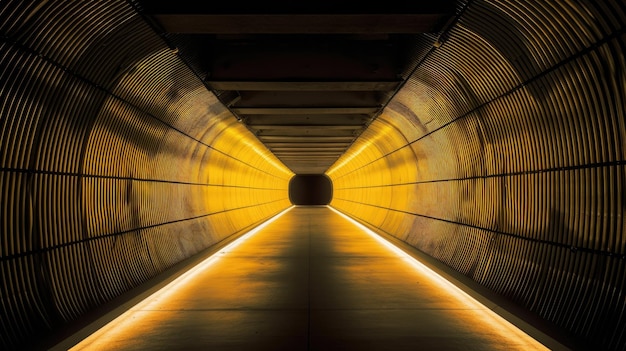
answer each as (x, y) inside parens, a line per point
(310, 189)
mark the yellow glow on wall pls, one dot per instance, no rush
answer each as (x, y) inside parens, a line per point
(179, 175)
(385, 177)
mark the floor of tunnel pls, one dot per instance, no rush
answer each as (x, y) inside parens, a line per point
(310, 280)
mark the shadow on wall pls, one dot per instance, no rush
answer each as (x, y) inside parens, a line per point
(310, 189)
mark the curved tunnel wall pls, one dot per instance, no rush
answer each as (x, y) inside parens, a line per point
(116, 162)
(503, 157)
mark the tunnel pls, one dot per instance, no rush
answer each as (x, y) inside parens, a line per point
(489, 135)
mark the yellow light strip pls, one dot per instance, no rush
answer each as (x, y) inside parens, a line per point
(125, 320)
(486, 315)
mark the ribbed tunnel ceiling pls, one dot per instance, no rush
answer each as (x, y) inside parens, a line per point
(305, 82)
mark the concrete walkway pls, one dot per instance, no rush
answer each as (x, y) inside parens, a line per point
(311, 280)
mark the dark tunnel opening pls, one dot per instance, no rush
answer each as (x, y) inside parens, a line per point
(310, 189)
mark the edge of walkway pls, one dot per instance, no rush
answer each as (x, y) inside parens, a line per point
(75, 332)
(541, 330)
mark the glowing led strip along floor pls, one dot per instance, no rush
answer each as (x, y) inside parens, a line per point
(125, 321)
(485, 314)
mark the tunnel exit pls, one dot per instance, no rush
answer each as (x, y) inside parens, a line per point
(310, 189)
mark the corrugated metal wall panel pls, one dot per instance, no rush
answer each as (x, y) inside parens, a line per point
(116, 162)
(518, 144)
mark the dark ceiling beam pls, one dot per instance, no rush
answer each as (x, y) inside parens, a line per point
(253, 120)
(290, 149)
(306, 145)
(304, 110)
(309, 153)
(306, 132)
(285, 58)
(305, 127)
(303, 86)
(311, 98)
(299, 160)
(305, 139)
(297, 23)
